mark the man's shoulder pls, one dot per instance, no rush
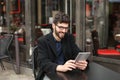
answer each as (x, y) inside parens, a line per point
(45, 37)
(68, 35)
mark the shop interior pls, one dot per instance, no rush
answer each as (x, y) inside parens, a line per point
(113, 30)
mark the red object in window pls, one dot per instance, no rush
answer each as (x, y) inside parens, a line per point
(108, 52)
(1, 37)
(74, 34)
(44, 25)
(18, 10)
(20, 39)
(118, 46)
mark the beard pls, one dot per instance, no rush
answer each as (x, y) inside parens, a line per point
(60, 35)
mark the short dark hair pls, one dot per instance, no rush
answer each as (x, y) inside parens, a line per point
(61, 17)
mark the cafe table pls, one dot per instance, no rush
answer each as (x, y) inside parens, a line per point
(94, 71)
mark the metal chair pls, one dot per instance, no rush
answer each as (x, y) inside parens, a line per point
(34, 62)
(5, 42)
(38, 75)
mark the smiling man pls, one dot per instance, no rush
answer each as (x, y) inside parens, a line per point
(57, 50)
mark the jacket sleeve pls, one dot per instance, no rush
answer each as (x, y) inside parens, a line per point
(74, 47)
(44, 63)
(70, 48)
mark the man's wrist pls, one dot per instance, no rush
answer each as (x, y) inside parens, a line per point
(59, 68)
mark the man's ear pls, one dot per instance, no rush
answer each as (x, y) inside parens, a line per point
(53, 25)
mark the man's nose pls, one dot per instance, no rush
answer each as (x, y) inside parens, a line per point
(64, 30)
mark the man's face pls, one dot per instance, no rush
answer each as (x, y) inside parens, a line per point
(60, 29)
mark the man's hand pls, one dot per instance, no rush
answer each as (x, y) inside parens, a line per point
(71, 64)
(68, 66)
(81, 65)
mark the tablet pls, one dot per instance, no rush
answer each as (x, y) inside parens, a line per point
(82, 56)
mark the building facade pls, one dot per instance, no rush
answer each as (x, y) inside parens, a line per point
(35, 17)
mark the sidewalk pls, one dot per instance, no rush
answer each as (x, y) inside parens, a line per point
(9, 74)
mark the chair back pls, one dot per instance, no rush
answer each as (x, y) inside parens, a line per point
(5, 42)
(95, 41)
(34, 61)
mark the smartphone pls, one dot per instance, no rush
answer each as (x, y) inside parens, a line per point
(82, 56)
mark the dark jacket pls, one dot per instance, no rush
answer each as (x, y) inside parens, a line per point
(47, 53)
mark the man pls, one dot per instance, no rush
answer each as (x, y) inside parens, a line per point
(57, 50)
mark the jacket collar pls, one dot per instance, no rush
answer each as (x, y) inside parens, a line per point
(51, 42)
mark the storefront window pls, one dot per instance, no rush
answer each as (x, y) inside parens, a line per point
(17, 24)
(49, 7)
(2, 13)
